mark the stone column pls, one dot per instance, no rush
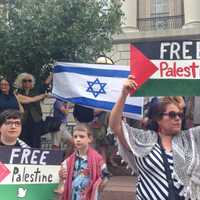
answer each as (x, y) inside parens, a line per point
(129, 8)
(192, 13)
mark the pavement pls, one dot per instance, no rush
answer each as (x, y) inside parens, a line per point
(120, 188)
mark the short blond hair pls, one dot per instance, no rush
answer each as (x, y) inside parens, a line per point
(21, 77)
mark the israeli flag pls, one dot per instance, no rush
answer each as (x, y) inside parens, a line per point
(94, 85)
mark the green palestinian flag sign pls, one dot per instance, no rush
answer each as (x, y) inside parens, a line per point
(29, 174)
(166, 68)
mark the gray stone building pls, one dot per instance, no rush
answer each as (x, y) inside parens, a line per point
(150, 20)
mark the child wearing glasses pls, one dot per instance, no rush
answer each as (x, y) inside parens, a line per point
(10, 129)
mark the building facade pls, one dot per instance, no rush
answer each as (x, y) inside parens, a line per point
(151, 20)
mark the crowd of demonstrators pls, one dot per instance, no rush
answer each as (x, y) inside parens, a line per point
(32, 117)
(167, 159)
(10, 128)
(84, 172)
(163, 151)
(26, 99)
(60, 112)
(11, 100)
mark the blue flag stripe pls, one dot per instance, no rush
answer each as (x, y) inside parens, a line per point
(91, 71)
(101, 104)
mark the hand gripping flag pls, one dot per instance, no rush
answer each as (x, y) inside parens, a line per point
(94, 85)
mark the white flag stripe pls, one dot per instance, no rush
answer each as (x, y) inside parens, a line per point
(113, 87)
(99, 90)
(176, 69)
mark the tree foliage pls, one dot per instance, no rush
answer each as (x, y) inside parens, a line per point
(34, 33)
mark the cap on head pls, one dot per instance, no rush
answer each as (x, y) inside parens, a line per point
(104, 60)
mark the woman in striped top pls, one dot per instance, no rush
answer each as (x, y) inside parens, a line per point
(167, 159)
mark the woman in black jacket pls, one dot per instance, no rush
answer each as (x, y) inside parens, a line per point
(32, 118)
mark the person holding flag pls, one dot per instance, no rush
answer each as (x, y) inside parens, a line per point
(166, 158)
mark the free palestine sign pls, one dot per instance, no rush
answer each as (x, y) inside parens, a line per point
(166, 68)
(29, 174)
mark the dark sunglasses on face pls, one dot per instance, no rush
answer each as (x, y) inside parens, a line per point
(27, 80)
(173, 114)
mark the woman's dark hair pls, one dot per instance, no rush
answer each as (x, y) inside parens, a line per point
(157, 111)
(10, 84)
(9, 114)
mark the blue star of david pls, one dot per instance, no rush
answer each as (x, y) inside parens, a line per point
(96, 87)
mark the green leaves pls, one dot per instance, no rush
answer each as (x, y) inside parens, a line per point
(33, 33)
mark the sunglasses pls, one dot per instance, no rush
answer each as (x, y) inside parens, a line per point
(27, 80)
(173, 114)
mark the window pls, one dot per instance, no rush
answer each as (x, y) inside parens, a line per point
(160, 14)
(160, 7)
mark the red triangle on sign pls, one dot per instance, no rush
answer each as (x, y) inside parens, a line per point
(4, 171)
(141, 67)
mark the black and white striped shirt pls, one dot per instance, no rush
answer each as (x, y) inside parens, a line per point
(22, 144)
(19, 143)
(152, 181)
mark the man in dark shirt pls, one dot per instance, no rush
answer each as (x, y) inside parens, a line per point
(83, 114)
(10, 128)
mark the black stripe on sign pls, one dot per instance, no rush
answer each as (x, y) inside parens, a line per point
(172, 50)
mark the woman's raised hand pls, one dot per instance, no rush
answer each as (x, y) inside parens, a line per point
(129, 85)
